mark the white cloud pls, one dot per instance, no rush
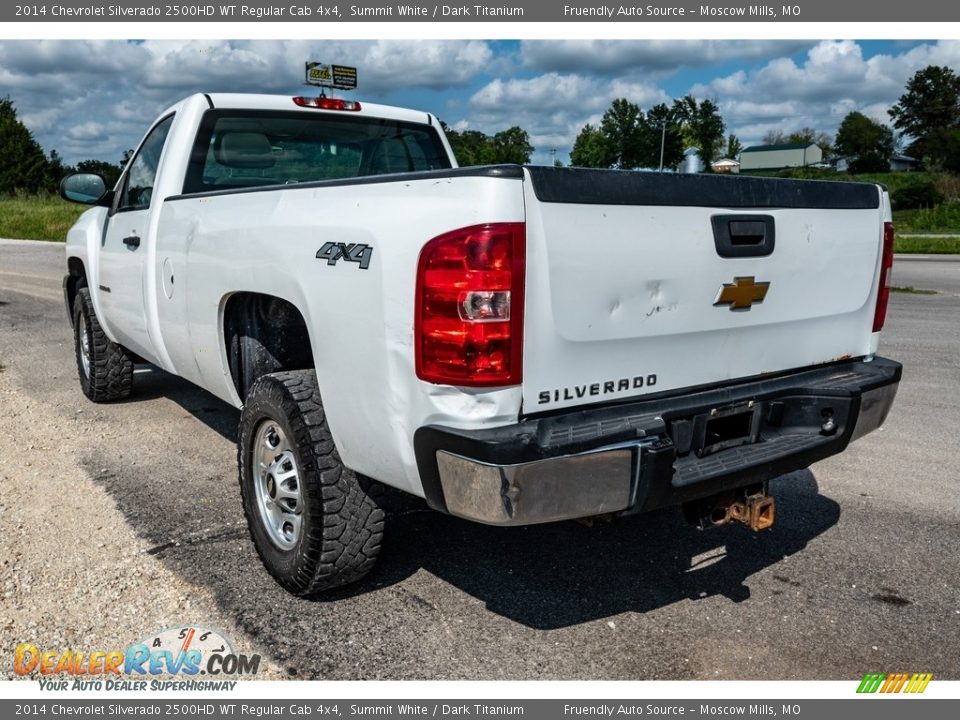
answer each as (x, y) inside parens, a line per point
(661, 56)
(89, 130)
(553, 107)
(63, 89)
(95, 98)
(833, 79)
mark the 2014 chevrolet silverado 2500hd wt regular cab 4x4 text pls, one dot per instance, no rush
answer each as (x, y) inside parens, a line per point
(513, 344)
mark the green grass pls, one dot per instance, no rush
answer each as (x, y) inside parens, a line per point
(49, 218)
(892, 180)
(37, 218)
(927, 245)
(910, 290)
(943, 218)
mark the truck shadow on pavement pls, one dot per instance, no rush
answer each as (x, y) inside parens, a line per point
(151, 382)
(544, 577)
(554, 576)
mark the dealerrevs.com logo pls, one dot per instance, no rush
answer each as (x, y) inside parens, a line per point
(183, 652)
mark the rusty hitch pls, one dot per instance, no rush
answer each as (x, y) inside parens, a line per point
(751, 506)
(756, 511)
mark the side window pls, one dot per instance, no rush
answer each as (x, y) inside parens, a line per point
(140, 178)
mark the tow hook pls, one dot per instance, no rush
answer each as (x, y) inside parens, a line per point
(752, 507)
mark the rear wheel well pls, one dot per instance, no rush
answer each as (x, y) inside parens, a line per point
(263, 334)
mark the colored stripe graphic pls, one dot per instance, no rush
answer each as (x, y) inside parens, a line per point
(894, 682)
(918, 683)
(871, 682)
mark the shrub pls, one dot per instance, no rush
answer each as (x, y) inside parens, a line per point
(948, 185)
(921, 194)
(809, 173)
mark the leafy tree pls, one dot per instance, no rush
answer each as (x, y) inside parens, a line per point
(868, 142)
(703, 126)
(947, 144)
(628, 138)
(590, 149)
(24, 167)
(734, 147)
(931, 102)
(472, 147)
(56, 171)
(662, 123)
(623, 129)
(512, 146)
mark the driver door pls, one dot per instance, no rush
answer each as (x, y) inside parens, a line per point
(124, 254)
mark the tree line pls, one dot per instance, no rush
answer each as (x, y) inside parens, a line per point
(627, 138)
(25, 168)
(928, 113)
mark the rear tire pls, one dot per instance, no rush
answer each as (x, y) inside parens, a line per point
(316, 524)
(105, 368)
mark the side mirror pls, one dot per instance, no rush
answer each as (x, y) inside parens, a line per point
(84, 188)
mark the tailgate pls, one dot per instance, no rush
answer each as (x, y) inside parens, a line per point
(641, 283)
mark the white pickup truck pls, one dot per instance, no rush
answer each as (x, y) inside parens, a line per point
(513, 344)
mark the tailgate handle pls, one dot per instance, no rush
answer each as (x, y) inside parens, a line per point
(737, 236)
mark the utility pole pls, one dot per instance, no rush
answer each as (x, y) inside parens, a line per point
(663, 140)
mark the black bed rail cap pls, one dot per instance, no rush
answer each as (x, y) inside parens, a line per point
(631, 187)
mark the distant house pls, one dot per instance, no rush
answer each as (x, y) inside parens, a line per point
(725, 165)
(902, 163)
(777, 157)
(898, 163)
(841, 163)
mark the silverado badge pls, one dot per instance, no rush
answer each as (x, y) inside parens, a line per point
(742, 293)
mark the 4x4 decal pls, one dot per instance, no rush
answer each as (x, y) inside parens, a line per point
(351, 252)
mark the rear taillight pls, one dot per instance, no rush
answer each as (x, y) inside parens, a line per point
(886, 265)
(469, 314)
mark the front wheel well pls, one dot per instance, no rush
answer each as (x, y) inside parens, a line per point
(76, 278)
(263, 334)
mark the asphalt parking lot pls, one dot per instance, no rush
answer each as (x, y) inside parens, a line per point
(860, 572)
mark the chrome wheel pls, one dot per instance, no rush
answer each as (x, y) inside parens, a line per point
(84, 350)
(277, 482)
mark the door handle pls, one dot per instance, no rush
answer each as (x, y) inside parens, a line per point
(132, 241)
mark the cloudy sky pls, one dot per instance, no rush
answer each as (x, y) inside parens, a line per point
(93, 99)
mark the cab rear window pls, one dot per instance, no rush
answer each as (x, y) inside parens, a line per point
(245, 148)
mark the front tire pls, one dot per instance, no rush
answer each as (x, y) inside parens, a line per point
(105, 368)
(316, 524)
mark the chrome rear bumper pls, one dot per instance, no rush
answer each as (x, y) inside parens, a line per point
(654, 453)
(560, 488)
